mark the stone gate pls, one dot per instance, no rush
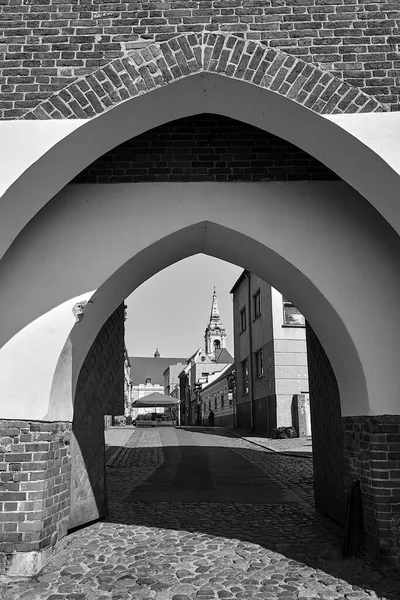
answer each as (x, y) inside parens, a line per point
(301, 192)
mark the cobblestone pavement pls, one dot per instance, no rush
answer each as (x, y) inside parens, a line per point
(204, 550)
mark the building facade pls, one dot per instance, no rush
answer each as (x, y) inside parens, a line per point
(218, 395)
(196, 373)
(201, 365)
(271, 359)
(147, 375)
(171, 379)
(128, 385)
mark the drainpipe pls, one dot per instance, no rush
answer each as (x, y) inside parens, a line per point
(248, 275)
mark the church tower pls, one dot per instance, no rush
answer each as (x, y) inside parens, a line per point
(215, 336)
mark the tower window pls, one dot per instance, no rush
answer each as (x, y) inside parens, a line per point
(217, 344)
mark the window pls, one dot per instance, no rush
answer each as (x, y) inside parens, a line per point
(222, 401)
(245, 376)
(257, 304)
(215, 404)
(292, 317)
(258, 359)
(243, 323)
(230, 398)
(209, 405)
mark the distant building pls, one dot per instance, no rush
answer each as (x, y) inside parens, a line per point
(171, 379)
(128, 384)
(218, 395)
(215, 335)
(201, 365)
(147, 375)
(271, 359)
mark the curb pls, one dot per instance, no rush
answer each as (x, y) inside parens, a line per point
(291, 454)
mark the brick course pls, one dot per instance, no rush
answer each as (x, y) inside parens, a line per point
(371, 446)
(204, 148)
(34, 490)
(47, 45)
(143, 70)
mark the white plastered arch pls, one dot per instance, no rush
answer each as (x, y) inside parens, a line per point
(38, 158)
(320, 243)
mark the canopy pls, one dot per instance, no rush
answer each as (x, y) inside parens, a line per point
(156, 399)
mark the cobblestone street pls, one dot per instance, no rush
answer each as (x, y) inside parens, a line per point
(201, 514)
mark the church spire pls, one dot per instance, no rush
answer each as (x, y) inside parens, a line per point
(214, 308)
(215, 336)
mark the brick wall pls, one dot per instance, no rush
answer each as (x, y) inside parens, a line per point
(204, 148)
(40, 499)
(100, 390)
(372, 455)
(327, 431)
(47, 45)
(34, 486)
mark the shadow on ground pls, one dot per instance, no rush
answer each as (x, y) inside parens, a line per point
(238, 503)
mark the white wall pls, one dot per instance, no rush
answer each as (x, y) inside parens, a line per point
(28, 362)
(291, 371)
(363, 149)
(320, 243)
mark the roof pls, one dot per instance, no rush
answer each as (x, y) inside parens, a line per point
(223, 356)
(238, 281)
(148, 367)
(156, 399)
(223, 375)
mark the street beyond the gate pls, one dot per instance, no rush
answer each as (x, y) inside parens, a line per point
(200, 514)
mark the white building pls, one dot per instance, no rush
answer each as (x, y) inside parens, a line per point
(271, 358)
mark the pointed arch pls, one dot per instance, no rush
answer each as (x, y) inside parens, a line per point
(157, 65)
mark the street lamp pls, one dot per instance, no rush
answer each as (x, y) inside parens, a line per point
(232, 390)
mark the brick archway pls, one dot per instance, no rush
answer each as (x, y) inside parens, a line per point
(157, 65)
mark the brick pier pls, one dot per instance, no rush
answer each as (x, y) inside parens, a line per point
(34, 493)
(372, 455)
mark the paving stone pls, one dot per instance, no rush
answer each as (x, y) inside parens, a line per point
(185, 551)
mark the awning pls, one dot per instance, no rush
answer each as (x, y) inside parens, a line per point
(156, 399)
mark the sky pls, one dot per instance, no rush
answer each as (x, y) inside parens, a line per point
(171, 310)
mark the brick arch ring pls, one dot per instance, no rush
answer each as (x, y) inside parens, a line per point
(157, 65)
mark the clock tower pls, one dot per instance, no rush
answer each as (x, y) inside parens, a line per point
(215, 335)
